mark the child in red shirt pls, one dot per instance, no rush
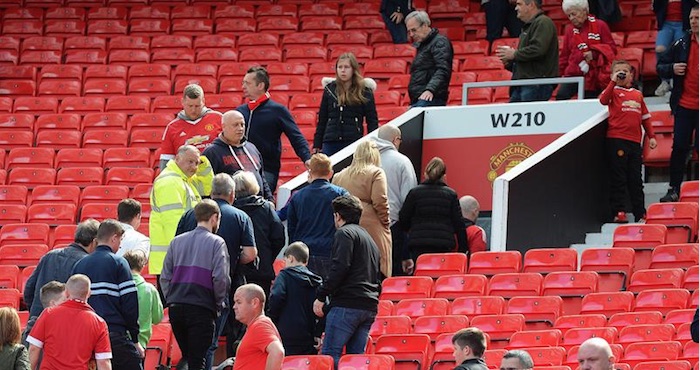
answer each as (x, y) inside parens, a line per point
(627, 113)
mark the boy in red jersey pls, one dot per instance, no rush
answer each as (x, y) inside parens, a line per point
(627, 113)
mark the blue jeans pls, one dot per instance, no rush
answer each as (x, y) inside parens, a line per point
(519, 94)
(220, 324)
(397, 30)
(431, 103)
(669, 33)
(349, 328)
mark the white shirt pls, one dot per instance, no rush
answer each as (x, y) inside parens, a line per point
(133, 240)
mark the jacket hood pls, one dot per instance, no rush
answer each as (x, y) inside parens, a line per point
(220, 142)
(184, 117)
(303, 274)
(383, 145)
(369, 83)
(251, 201)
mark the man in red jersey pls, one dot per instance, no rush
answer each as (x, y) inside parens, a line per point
(195, 125)
(476, 236)
(71, 332)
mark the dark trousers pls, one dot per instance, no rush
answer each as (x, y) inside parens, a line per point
(499, 14)
(431, 103)
(319, 265)
(193, 327)
(124, 353)
(567, 91)
(625, 161)
(685, 122)
(519, 94)
(399, 249)
(331, 147)
(397, 30)
(271, 178)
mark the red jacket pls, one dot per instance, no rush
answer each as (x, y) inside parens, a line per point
(604, 52)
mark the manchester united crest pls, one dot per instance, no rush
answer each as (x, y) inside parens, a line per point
(508, 158)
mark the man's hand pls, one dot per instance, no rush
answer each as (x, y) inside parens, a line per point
(396, 17)
(652, 143)
(679, 68)
(318, 308)
(407, 266)
(505, 54)
(308, 161)
(426, 95)
(142, 352)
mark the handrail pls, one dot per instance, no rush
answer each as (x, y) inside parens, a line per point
(526, 82)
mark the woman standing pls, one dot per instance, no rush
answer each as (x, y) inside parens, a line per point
(431, 214)
(347, 101)
(367, 181)
(13, 356)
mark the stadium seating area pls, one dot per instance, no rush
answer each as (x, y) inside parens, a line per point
(87, 87)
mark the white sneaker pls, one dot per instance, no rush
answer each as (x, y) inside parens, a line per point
(663, 88)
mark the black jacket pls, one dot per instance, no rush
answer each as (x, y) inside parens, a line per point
(660, 8)
(344, 122)
(472, 364)
(678, 53)
(269, 236)
(353, 280)
(431, 216)
(291, 309)
(388, 7)
(432, 67)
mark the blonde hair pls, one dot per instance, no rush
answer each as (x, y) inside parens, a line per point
(320, 165)
(366, 155)
(353, 95)
(435, 169)
(10, 329)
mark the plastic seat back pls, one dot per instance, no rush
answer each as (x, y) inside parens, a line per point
(455, 286)
(417, 307)
(656, 279)
(13, 194)
(649, 351)
(366, 362)
(663, 365)
(491, 263)
(625, 319)
(550, 259)
(613, 265)
(98, 211)
(646, 333)
(662, 300)
(540, 312)
(438, 264)
(9, 275)
(390, 325)
(545, 356)
(681, 220)
(564, 323)
(24, 233)
(535, 338)
(436, 325)
(129, 176)
(690, 190)
(52, 194)
(607, 303)
(572, 286)
(675, 256)
(409, 350)
(80, 176)
(576, 336)
(52, 213)
(499, 327)
(12, 213)
(104, 194)
(509, 285)
(308, 362)
(402, 287)
(642, 238)
(22, 255)
(30, 157)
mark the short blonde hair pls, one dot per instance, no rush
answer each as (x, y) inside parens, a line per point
(10, 329)
(320, 165)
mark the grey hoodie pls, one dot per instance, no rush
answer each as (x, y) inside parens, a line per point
(400, 176)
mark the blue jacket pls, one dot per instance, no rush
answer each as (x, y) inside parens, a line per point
(55, 265)
(310, 216)
(236, 229)
(112, 290)
(265, 125)
(679, 53)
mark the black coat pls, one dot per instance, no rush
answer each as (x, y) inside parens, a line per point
(388, 7)
(344, 122)
(431, 216)
(269, 236)
(660, 8)
(679, 53)
(432, 67)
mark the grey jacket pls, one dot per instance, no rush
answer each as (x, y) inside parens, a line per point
(400, 176)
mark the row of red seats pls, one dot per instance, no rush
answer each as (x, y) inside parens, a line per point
(59, 194)
(97, 138)
(57, 214)
(79, 176)
(88, 157)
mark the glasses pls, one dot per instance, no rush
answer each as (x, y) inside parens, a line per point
(414, 29)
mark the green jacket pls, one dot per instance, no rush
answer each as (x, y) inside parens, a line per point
(538, 50)
(150, 308)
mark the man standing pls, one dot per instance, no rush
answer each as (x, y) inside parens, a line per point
(113, 295)
(537, 55)
(517, 360)
(352, 283)
(240, 243)
(57, 265)
(195, 125)
(595, 354)
(261, 346)
(476, 236)
(469, 346)
(393, 13)
(681, 64)
(176, 190)
(232, 152)
(400, 179)
(195, 281)
(267, 120)
(310, 216)
(129, 214)
(500, 14)
(432, 67)
(71, 333)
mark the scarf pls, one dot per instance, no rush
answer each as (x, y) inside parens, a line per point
(593, 36)
(256, 103)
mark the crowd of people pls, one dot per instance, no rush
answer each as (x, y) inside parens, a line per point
(215, 234)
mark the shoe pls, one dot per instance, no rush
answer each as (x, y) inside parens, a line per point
(663, 88)
(671, 196)
(621, 218)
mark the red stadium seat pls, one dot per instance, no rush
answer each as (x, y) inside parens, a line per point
(234, 11)
(126, 157)
(141, 120)
(459, 78)
(105, 138)
(17, 121)
(111, 72)
(576, 336)
(646, 333)
(80, 176)
(681, 220)
(388, 98)
(480, 63)
(129, 57)
(104, 87)
(98, 211)
(52, 214)
(499, 327)
(79, 158)
(289, 10)
(679, 317)
(32, 177)
(385, 307)
(13, 194)
(515, 284)
(390, 325)
(103, 194)
(662, 300)
(280, 25)
(294, 53)
(84, 43)
(36, 105)
(475, 305)
(546, 356)
(87, 57)
(308, 362)
(129, 176)
(261, 54)
(535, 338)
(674, 256)
(30, 157)
(417, 307)
(656, 279)
(214, 42)
(663, 365)
(409, 350)
(128, 104)
(540, 312)
(24, 233)
(54, 194)
(235, 26)
(550, 259)
(5, 104)
(9, 297)
(403, 287)
(440, 324)
(385, 69)
(491, 263)
(613, 265)
(624, 319)
(651, 351)
(146, 138)
(107, 28)
(689, 191)
(82, 105)
(572, 286)
(691, 279)
(16, 88)
(61, 72)
(303, 38)
(22, 28)
(608, 303)
(8, 277)
(564, 323)
(58, 139)
(642, 238)
(455, 286)
(216, 55)
(366, 362)
(129, 43)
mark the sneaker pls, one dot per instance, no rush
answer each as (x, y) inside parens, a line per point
(663, 88)
(621, 218)
(671, 196)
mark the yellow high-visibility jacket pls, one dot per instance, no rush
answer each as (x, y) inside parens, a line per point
(173, 194)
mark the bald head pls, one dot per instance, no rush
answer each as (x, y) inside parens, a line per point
(252, 291)
(391, 134)
(470, 207)
(233, 127)
(595, 354)
(78, 287)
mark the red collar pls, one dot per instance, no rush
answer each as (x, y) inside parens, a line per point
(256, 103)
